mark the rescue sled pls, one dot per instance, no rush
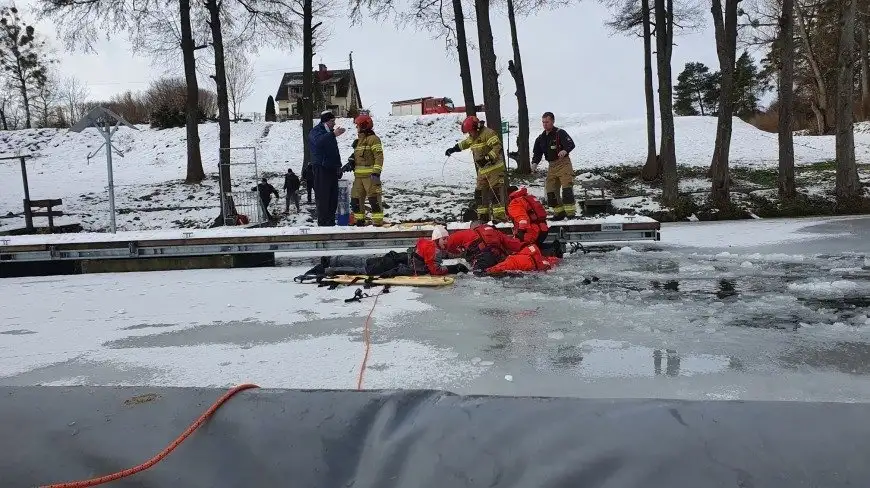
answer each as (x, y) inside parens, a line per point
(423, 281)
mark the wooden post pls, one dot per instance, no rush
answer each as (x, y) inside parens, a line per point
(50, 219)
(28, 218)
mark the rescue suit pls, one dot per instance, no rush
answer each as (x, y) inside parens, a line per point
(529, 258)
(486, 150)
(528, 216)
(367, 164)
(560, 172)
(483, 246)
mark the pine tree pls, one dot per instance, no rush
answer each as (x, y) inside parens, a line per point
(270, 110)
(692, 91)
(749, 85)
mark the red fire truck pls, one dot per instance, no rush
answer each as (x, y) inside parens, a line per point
(427, 106)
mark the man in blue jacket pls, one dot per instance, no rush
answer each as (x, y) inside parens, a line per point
(326, 163)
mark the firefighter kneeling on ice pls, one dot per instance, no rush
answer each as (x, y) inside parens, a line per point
(486, 150)
(423, 259)
(529, 218)
(366, 162)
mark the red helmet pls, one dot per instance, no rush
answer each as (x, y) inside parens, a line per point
(470, 123)
(364, 122)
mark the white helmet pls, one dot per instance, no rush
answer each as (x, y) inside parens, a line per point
(439, 232)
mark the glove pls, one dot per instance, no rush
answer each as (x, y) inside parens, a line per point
(376, 179)
(454, 149)
(457, 268)
(350, 166)
(353, 144)
(484, 160)
(521, 235)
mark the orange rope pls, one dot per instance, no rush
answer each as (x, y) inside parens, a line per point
(165, 452)
(367, 337)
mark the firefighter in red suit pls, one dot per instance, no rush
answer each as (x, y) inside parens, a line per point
(482, 245)
(529, 258)
(528, 216)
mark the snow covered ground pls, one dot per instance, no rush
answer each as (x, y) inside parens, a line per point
(420, 182)
(771, 309)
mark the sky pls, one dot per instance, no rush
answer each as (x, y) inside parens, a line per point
(572, 63)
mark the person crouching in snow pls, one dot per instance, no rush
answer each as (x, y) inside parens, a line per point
(422, 259)
(530, 258)
(482, 245)
(265, 191)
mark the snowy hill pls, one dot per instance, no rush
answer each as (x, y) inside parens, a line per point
(419, 181)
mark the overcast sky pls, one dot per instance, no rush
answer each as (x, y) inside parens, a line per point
(572, 63)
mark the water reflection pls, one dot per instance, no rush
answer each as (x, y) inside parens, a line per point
(672, 365)
(604, 358)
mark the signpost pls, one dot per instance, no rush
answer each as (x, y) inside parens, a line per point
(107, 123)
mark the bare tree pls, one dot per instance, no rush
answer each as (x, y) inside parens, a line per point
(664, 22)
(488, 62)
(726, 49)
(515, 66)
(786, 181)
(73, 93)
(633, 17)
(262, 22)
(848, 186)
(240, 80)
(45, 99)
(23, 58)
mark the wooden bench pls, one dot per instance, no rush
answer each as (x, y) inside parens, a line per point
(48, 204)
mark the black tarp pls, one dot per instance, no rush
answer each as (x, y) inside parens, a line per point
(335, 439)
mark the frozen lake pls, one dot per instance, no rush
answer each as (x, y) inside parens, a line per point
(762, 309)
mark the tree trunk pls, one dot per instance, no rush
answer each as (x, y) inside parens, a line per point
(195, 173)
(786, 182)
(491, 101)
(220, 78)
(3, 119)
(524, 165)
(25, 100)
(664, 48)
(865, 68)
(306, 110)
(462, 52)
(848, 186)
(726, 49)
(821, 108)
(652, 170)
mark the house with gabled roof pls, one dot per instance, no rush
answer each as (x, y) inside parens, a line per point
(335, 90)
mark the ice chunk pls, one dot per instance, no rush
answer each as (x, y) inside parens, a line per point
(556, 336)
(486, 363)
(747, 264)
(509, 377)
(476, 360)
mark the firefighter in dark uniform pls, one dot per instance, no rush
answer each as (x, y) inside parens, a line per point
(555, 145)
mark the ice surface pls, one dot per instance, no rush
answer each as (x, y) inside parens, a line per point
(665, 320)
